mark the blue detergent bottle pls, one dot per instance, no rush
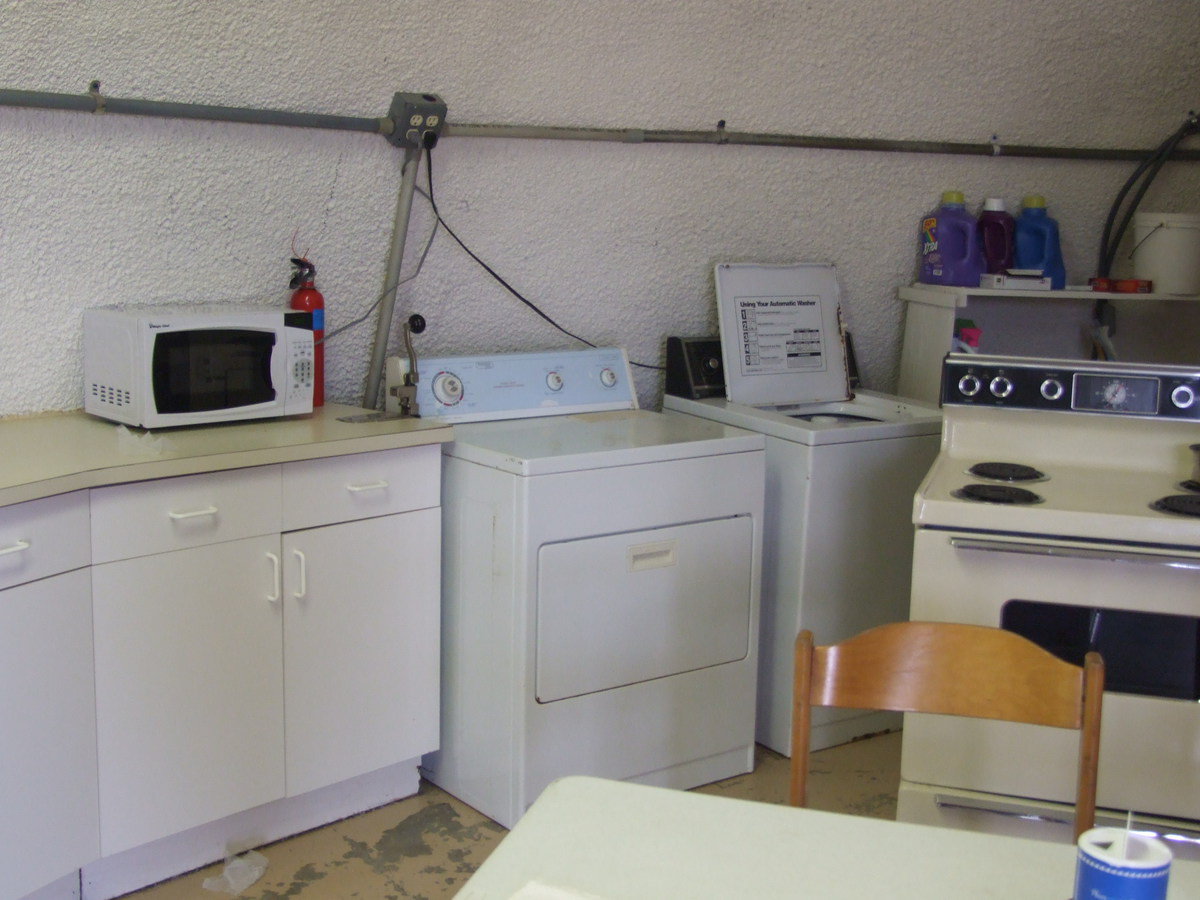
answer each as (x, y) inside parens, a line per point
(950, 247)
(1037, 244)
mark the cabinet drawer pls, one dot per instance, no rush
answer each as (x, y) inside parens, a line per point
(43, 537)
(342, 488)
(147, 517)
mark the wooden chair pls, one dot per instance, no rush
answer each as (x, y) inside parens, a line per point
(953, 669)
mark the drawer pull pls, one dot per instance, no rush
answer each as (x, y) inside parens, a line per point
(303, 587)
(192, 514)
(274, 598)
(15, 548)
(369, 486)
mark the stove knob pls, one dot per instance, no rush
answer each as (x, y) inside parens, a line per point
(1000, 386)
(1183, 396)
(1052, 389)
(447, 388)
(969, 385)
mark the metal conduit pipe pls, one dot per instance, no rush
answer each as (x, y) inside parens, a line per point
(721, 135)
(95, 102)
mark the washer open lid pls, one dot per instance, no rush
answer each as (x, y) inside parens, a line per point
(781, 333)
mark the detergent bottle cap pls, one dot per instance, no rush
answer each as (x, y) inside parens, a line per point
(1034, 201)
(994, 204)
(953, 197)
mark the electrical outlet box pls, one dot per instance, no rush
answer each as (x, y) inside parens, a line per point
(417, 120)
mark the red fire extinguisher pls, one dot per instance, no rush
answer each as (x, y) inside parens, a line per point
(308, 299)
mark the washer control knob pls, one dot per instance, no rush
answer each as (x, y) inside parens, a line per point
(608, 377)
(447, 388)
(969, 385)
(1183, 396)
(1052, 389)
(1000, 386)
(554, 381)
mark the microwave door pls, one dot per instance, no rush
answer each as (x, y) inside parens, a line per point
(213, 370)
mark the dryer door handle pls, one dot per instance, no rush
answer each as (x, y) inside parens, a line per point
(655, 555)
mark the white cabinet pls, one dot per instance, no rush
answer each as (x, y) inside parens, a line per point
(189, 688)
(361, 613)
(360, 646)
(269, 631)
(1050, 324)
(48, 807)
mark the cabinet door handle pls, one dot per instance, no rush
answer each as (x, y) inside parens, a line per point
(303, 588)
(369, 486)
(191, 514)
(15, 548)
(274, 598)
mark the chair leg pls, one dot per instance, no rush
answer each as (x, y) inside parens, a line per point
(1089, 743)
(801, 719)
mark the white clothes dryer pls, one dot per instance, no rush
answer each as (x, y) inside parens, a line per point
(600, 582)
(842, 471)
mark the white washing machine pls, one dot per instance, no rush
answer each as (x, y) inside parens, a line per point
(842, 470)
(600, 582)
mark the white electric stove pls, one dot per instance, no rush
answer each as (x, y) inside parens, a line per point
(842, 468)
(600, 581)
(1063, 506)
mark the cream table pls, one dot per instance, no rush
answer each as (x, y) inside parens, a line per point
(594, 838)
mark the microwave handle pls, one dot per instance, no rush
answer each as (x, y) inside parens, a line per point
(1108, 554)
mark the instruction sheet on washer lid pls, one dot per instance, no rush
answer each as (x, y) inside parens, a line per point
(781, 335)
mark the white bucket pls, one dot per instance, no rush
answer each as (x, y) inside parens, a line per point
(1166, 249)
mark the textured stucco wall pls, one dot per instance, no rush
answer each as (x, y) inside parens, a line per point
(615, 241)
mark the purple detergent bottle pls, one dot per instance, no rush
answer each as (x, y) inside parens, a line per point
(950, 251)
(1037, 243)
(996, 234)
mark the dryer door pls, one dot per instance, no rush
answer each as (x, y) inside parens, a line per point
(625, 608)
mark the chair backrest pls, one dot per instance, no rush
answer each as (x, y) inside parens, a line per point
(953, 669)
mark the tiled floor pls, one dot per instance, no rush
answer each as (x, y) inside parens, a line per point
(427, 846)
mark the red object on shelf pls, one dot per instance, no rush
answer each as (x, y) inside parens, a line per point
(308, 299)
(1122, 285)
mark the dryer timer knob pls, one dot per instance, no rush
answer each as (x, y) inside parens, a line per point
(969, 385)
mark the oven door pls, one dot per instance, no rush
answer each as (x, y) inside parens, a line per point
(1140, 606)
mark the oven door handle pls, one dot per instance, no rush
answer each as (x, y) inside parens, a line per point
(1107, 554)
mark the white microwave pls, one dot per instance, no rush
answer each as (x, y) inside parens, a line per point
(156, 367)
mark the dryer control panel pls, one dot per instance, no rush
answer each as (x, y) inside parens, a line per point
(519, 385)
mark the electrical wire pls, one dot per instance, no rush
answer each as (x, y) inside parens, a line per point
(389, 289)
(500, 280)
(1147, 170)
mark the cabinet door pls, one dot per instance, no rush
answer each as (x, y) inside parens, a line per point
(361, 646)
(48, 823)
(189, 691)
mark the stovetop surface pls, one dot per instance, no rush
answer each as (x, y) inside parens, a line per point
(1079, 501)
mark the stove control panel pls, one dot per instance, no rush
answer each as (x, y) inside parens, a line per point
(1083, 386)
(519, 385)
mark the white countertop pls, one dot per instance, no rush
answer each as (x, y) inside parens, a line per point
(58, 452)
(593, 838)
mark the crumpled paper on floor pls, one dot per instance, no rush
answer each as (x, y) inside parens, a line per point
(240, 872)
